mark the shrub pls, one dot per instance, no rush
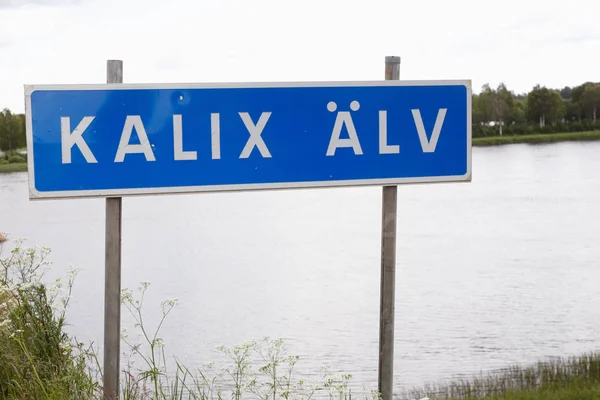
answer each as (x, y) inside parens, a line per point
(38, 360)
(529, 128)
(16, 158)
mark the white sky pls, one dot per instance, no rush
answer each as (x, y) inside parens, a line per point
(525, 42)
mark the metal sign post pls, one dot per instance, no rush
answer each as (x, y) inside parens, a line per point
(112, 274)
(388, 270)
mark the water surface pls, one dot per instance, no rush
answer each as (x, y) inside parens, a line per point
(498, 271)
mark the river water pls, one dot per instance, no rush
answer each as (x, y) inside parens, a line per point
(501, 270)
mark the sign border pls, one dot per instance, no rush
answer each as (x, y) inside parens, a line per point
(34, 194)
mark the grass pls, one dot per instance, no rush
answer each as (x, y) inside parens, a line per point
(16, 167)
(537, 138)
(572, 378)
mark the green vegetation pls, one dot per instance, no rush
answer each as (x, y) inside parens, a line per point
(12, 131)
(17, 167)
(498, 112)
(537, 138)
(573, 378)
(39, 360)
(13, 161)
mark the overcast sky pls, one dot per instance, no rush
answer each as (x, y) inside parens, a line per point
(522, 43)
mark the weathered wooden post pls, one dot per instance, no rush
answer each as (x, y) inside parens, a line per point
(388, 270)
(112, 274)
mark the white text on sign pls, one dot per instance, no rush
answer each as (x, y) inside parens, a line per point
(74, 138)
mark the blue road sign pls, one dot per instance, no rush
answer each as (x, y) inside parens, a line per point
(130, 139)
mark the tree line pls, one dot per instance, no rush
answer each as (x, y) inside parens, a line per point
(542, 110)
(496, 111)
(12, 131)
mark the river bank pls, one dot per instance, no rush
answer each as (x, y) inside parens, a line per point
(537, 138)
(563, 378)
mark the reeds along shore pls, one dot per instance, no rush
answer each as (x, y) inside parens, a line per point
(568, 378)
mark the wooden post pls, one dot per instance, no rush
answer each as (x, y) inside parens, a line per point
(388, 270)
(112, 274)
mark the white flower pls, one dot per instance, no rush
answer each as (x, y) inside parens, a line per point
(65, 346)
(73, 271)
(15, 332)
(25, 286)
(168, 304)
(126, 296)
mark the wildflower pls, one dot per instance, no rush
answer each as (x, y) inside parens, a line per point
(126, 296)
(168, 304)
(65, 346)
(25, 286)
(144, 285)
(15, 333)
(73, 271)
(53, 290)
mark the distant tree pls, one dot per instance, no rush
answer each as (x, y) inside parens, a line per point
(590, 99)
(22, 138)
(477, 112)
(521, 96)
(5, 140)
(12, 131)
(572, 110)
(544, 103)
(485, 100)
(496, 105)
(504, 105)
(565, 93)
(576, 96)
(519, 112)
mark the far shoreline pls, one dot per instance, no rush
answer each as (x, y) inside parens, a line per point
(536, 138)
(476, 142)
(15, 167)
